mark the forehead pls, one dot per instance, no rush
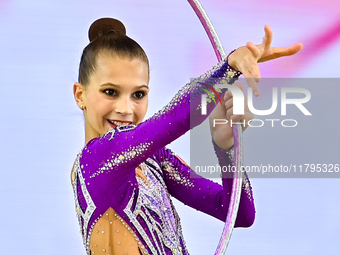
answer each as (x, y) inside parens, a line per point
(120, 70)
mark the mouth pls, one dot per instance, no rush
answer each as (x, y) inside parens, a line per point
(116, 123)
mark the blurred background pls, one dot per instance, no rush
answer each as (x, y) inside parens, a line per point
(41, 128)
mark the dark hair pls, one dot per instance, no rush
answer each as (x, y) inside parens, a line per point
(107, 35)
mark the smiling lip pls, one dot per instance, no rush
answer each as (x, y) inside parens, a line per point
(115, 123)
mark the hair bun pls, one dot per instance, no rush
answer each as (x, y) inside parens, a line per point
(104, 26)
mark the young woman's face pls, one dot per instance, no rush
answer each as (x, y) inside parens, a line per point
(117, 94)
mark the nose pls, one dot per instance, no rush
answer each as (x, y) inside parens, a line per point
(124, 106)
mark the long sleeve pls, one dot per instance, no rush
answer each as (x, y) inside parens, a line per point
(246, 213)
(106, 167)
(126, 147)
(203, 194)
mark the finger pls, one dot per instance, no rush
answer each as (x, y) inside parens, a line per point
(229, 113)
(239, 85)
(253, 49)
(252, 75)
(228, 104)
(236, 118)
(248, 119)
(268, 37)
(290, 50)
(227, 95)
(252, 83)
(246, 106)
(282, 52)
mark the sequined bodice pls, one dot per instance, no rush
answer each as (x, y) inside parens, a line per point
(112, 235)
(154, 206)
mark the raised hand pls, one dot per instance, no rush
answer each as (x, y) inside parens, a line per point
(246, 58)
(222, 134)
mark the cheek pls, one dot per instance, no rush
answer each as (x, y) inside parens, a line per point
(141, 110)
(98, 106)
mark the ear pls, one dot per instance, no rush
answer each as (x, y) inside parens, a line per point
(78, 92)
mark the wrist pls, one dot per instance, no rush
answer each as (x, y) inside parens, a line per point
(223, 144)
(231, 61)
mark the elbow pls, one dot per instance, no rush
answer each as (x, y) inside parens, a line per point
(245, 218)
(246, 222)
(251, 219)
(246, 214)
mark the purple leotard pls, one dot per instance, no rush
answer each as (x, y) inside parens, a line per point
(105, 174)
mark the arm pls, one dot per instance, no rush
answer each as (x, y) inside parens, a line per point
(126, 147)
(246, 59)
(246, 213)
(173, 120)
(202, 194)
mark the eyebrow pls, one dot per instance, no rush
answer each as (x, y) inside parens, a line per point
(117, 86)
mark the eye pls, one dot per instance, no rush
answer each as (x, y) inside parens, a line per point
(139, 94)
(110, 92)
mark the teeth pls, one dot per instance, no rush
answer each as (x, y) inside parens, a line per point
(117, 123)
